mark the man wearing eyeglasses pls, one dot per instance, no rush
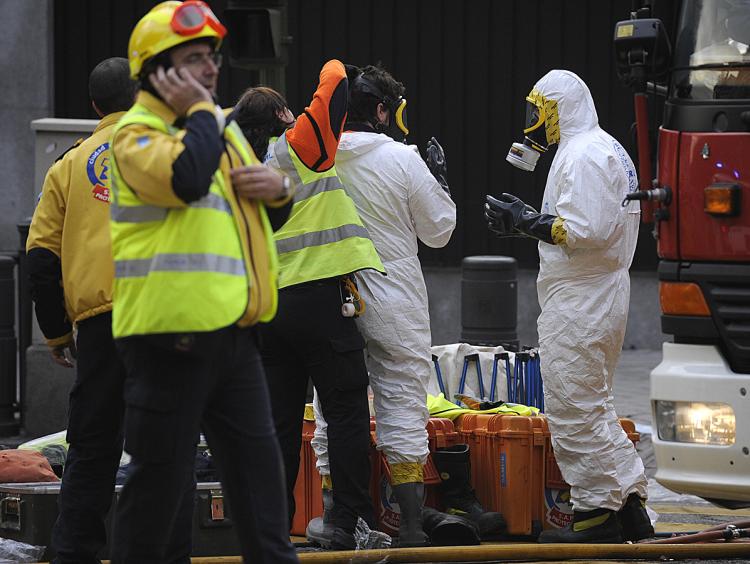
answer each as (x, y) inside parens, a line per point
(195, 270)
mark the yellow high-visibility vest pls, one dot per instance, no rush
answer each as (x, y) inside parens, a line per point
(180, 269)
(324, 236)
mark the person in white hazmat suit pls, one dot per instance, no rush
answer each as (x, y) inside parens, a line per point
(587, 240)
(399, 201)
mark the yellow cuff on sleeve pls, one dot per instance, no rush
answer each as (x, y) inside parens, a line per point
(559, 233)
(57, 341)
(406, 473)
(326, 482)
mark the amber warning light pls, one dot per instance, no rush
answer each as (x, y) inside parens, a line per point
(722, 200)
(682, 298)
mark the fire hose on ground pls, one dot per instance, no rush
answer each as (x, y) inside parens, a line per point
(735, 530)
(512, 551)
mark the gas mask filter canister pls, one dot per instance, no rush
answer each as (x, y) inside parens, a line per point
(523, 156)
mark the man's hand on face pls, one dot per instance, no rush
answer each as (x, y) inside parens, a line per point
(179, 89)
(258, 182)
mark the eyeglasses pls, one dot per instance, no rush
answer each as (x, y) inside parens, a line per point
(192, 16)
(201, 59)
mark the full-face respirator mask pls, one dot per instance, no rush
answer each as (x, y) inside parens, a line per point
(541, 130)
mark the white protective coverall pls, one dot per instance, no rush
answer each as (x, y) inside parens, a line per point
(399, 201)
(584, 293)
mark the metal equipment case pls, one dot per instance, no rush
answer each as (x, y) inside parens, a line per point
(28, 513)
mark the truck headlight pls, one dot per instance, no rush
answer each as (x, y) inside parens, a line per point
(695, 422)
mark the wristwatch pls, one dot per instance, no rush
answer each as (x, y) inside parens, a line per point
(286, 185)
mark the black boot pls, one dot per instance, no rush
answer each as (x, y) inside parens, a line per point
(459, 497)
(634, 519)
(320, 530)
(410, 499)
(449, 530)
(597, 526)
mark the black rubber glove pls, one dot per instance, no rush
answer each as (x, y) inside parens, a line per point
(437, 164)
(508, 215)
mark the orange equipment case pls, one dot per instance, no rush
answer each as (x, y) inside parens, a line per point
(514, 471)
(308, 495)
(507, 466)
(557, 509)
(307, 490)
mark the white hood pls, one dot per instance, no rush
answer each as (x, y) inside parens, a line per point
(356, 144)
(575, 106)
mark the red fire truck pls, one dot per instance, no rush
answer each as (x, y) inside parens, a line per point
(699, 203)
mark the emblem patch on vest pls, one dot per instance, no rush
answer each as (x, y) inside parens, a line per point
(97, 170)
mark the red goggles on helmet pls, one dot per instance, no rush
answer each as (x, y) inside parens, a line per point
(192, 16)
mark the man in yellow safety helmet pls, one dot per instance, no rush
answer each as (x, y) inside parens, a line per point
(195, 270)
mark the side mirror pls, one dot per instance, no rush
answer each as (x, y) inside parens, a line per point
(642, 51)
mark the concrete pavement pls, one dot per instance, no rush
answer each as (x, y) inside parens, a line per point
(631, 397)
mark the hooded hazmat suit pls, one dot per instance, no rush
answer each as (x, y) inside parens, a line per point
(399, 201)
(584, 291)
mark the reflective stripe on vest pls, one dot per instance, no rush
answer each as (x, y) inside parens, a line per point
(177, 269)
(324, 236)
(179, 263)
(304, 191)
(146, 213)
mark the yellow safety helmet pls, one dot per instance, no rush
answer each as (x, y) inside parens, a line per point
(169, 24)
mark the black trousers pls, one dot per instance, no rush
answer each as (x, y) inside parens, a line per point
(178, 385)
(310, 339)
(95, 439)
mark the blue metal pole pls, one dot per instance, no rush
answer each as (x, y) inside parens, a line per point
(522, 359)
(479, 376)
(462, 381)
(508, 377)
(493, 383)
(439, 374)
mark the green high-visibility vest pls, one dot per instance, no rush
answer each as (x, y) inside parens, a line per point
(181, 269)
(324, 236)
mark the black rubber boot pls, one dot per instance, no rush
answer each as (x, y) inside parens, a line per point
(634, 520)
(410, 499)
(459, 497)
(598, 526)
(448, 530)
(320, 530)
